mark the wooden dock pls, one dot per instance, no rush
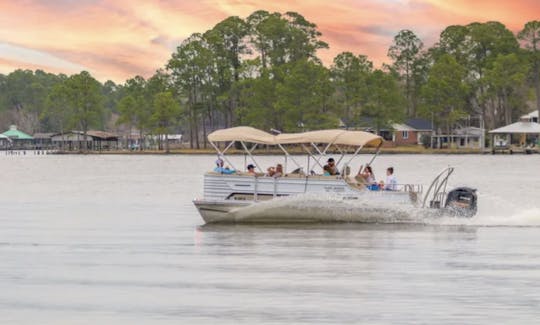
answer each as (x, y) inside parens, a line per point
(511, 150)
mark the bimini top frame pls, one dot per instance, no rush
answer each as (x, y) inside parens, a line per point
(330, 138)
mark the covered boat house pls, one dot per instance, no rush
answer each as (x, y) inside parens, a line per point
(524, 133)
(5, 142)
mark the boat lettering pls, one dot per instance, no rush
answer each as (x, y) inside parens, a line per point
(334, 189)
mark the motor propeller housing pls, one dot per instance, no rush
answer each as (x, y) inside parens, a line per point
(462, 201)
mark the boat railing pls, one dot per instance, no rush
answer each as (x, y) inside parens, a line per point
(415, 188)
(436, 192)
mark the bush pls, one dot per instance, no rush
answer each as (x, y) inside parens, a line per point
(426, 140)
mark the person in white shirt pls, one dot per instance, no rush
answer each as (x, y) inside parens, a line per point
(391, 181)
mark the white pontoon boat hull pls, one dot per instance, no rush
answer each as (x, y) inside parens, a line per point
(241, 198)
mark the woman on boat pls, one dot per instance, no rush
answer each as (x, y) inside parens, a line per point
(368, 176)
(223, 170)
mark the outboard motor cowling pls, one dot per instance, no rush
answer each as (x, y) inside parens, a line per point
(462, 202)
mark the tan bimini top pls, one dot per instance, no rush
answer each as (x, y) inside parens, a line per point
(335, 136)
(242, 133)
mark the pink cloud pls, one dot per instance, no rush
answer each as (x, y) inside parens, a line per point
(120, 39)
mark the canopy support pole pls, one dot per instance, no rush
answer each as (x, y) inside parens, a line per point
(316, 148)
(311, 155)
(341, 152)
(375, 155)
(251, 151)
(222, 153)
(250, 155)
(287, 155)
(325, 149)
(354, 155)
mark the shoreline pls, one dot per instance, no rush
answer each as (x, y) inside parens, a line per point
(210, 151)
(403, 150)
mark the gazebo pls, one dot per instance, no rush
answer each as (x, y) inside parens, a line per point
(522, 128)
(5, 141)
(20, 139)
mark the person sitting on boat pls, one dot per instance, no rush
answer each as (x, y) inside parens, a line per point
(391, 181)
(223, 170)
(331, 163)
(366, 176)
(251, 170)
(279, 170)
(270, 171)
(326, 170)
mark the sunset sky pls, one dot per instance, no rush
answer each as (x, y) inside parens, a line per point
(123, 38)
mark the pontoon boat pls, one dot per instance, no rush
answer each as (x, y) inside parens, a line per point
(304, 196)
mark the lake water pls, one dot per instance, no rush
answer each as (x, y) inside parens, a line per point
(116, 239)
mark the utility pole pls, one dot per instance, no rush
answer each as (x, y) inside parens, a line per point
(432, 130)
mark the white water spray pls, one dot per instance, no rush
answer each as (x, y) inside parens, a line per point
(378, 209)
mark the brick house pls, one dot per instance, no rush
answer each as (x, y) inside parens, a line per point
(411, 132)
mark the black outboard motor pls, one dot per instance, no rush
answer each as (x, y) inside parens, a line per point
(462, 202)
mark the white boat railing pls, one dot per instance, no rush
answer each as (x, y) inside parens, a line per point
(417, 189)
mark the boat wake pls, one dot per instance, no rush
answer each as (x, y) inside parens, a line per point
(525, 218)
(498, 211)
(372, 209)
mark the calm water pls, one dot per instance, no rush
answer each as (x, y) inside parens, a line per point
(115, 239)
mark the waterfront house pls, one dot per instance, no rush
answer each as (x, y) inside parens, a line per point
(468, 137)
(43, 141)
(413, 131)
(76, 140)
(530, 117)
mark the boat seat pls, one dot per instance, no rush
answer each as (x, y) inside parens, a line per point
(295, 175)
(356, 182)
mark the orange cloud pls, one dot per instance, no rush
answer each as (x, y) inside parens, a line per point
(120, 39)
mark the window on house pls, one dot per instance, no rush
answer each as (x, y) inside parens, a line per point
(405, 134)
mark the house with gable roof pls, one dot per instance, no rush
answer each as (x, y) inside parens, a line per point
(412, 132)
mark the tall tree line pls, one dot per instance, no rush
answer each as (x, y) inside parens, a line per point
(264, 71)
